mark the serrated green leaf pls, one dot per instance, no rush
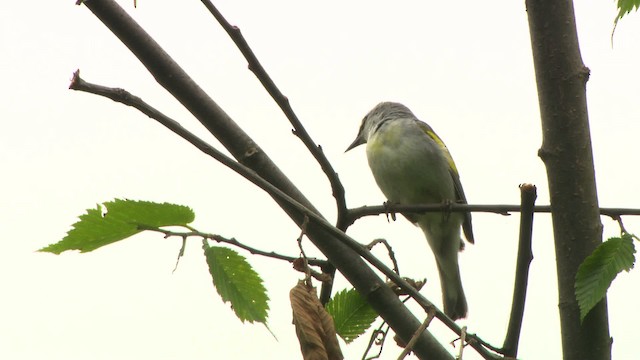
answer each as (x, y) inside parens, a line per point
(625, 7)
(237, 283)
(117, 220)
(351, 314)
(598, 270)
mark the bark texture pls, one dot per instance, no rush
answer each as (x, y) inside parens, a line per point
(566, 152)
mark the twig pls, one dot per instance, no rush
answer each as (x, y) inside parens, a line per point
(618, 219)
(180, 253)
(525, 255)
(124, 97)
(392, 255)
(473, 339)
(283, 102)
(375, 340)
(359, 212)
(407, 349)
(617, 212)
(416, 284)
(463, 339)
(231, 241)
(303, 229)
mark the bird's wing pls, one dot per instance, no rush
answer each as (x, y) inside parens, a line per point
(453, 170)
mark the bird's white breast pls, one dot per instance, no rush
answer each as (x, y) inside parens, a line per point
(407, 165)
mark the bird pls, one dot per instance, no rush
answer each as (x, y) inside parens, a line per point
(412, 165)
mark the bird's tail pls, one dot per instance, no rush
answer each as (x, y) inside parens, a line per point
(444, 240)
(455, 303)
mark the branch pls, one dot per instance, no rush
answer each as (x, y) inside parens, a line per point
(463, 339)
(283, 102)
(525, 255)
(234, 242)
(388, 208)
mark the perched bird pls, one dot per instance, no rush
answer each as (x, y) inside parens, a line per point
(412, 165)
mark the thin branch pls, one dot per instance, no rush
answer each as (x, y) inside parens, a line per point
(375, 340)
(231, 241)
(617, 212)
(390, 209)
(126, 98)
(474, 339)
(303, 255)
(525, 255)
(463, 339)
(623, 230)
(283, 102)
(392, 254)
(180, 253)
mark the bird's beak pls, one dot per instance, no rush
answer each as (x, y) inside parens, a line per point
(357, 142)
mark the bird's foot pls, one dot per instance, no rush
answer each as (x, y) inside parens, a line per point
(446, 213)
(388, 210)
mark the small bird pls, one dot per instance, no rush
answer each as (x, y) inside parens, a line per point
(412, 165)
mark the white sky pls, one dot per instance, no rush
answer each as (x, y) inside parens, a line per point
(465, 67)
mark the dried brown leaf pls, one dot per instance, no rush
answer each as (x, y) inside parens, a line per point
(314, 326)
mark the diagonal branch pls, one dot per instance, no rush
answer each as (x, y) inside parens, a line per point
(283, 102)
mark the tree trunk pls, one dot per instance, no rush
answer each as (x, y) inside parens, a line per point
(566, 152)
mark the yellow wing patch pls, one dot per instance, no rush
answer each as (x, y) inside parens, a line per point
(466, 226)
(429, 131)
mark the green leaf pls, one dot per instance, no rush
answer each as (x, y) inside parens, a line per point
(598, 270)
(117, 220)
(625, 7)
(237, 283)
(352, 315)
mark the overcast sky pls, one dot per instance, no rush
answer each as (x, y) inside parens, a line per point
(464, 67)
